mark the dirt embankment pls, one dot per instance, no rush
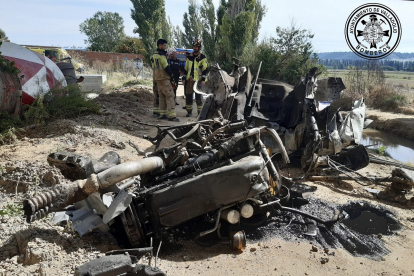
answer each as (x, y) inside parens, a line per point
(395, 123)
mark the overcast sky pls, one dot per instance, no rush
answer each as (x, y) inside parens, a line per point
(56, 22)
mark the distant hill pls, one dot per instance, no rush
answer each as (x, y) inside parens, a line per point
(352, 56)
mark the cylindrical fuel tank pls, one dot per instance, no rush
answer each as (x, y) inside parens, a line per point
(40, 73)
(10, 92)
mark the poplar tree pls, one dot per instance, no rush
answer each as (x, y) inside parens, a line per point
(152, 24)
(192, 24)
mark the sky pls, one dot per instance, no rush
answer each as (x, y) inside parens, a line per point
(56, 22)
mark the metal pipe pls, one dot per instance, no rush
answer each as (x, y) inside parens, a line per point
(282, 208)
(123, 171)
(269, 164)
(158, 251)
(217, 221)
(276, 137)
(65, 194)
(221, 129)
(377, 160)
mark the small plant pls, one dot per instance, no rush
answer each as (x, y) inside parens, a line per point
(12, 210)
(37, 113)
(8, 121)
(10, 136)
(381, 150)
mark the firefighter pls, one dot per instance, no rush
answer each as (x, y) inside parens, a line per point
(195, 71)
(156, 109)
(176, 67)
(164, 78)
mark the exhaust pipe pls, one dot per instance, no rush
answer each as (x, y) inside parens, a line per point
(65, 194)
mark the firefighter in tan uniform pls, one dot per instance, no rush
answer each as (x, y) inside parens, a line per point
(164, 77)
(156, 109)
(195, 70)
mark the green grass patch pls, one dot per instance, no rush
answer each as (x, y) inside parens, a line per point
(12, 210)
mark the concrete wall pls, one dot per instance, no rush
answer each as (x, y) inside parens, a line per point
(92, 83)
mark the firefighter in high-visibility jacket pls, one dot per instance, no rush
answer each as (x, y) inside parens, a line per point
(164, 77)
(195, 70)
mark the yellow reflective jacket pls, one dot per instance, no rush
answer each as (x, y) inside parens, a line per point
(161, 68)
(195, 67)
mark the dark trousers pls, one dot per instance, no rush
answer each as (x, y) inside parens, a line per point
(189, 93)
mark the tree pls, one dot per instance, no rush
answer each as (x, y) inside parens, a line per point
(285, 57)
(209, 28)
(131, 45)
(192, 24)
(3, 36)
(152, 24)
(295, 48)
(104, 31)
(177, 37)
(239, 23)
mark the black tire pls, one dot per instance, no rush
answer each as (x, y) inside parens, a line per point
(68, 71)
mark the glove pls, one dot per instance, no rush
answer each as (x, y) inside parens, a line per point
(173, 83)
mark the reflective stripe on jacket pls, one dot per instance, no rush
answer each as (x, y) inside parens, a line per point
(196, 67)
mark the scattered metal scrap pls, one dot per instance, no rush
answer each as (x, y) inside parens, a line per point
(224, 165)
(308, 135)
(120, 262)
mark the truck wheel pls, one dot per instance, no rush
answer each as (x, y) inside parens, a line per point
(68, 71)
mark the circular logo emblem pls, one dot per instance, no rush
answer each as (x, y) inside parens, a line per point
(373, 31)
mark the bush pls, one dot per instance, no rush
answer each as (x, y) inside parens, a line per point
(10, 128)
(386, 97)
(68, 102)
(36, 113)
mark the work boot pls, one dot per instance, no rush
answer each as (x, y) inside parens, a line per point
(188, 115)
(164, 117)
(184, 107)
(177, 103)
(174, 119)
(156, 115)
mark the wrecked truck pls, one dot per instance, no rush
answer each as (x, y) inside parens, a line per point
(224, 166)
(313, 137)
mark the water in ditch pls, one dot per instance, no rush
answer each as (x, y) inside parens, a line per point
(398, 148)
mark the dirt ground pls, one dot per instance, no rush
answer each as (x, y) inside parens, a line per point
(42, 248)
(395, 123)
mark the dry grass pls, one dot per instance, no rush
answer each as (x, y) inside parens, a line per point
(118, 75)
(116, 80)
(79, 58)
(378, 92)
(388, 97)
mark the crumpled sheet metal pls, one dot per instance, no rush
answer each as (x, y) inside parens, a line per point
(351, 128)
(118, 206)
(84, 221)
(336, 141)
(93, 202)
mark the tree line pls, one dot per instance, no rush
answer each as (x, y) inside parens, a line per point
(386, 64)
(227, 31)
